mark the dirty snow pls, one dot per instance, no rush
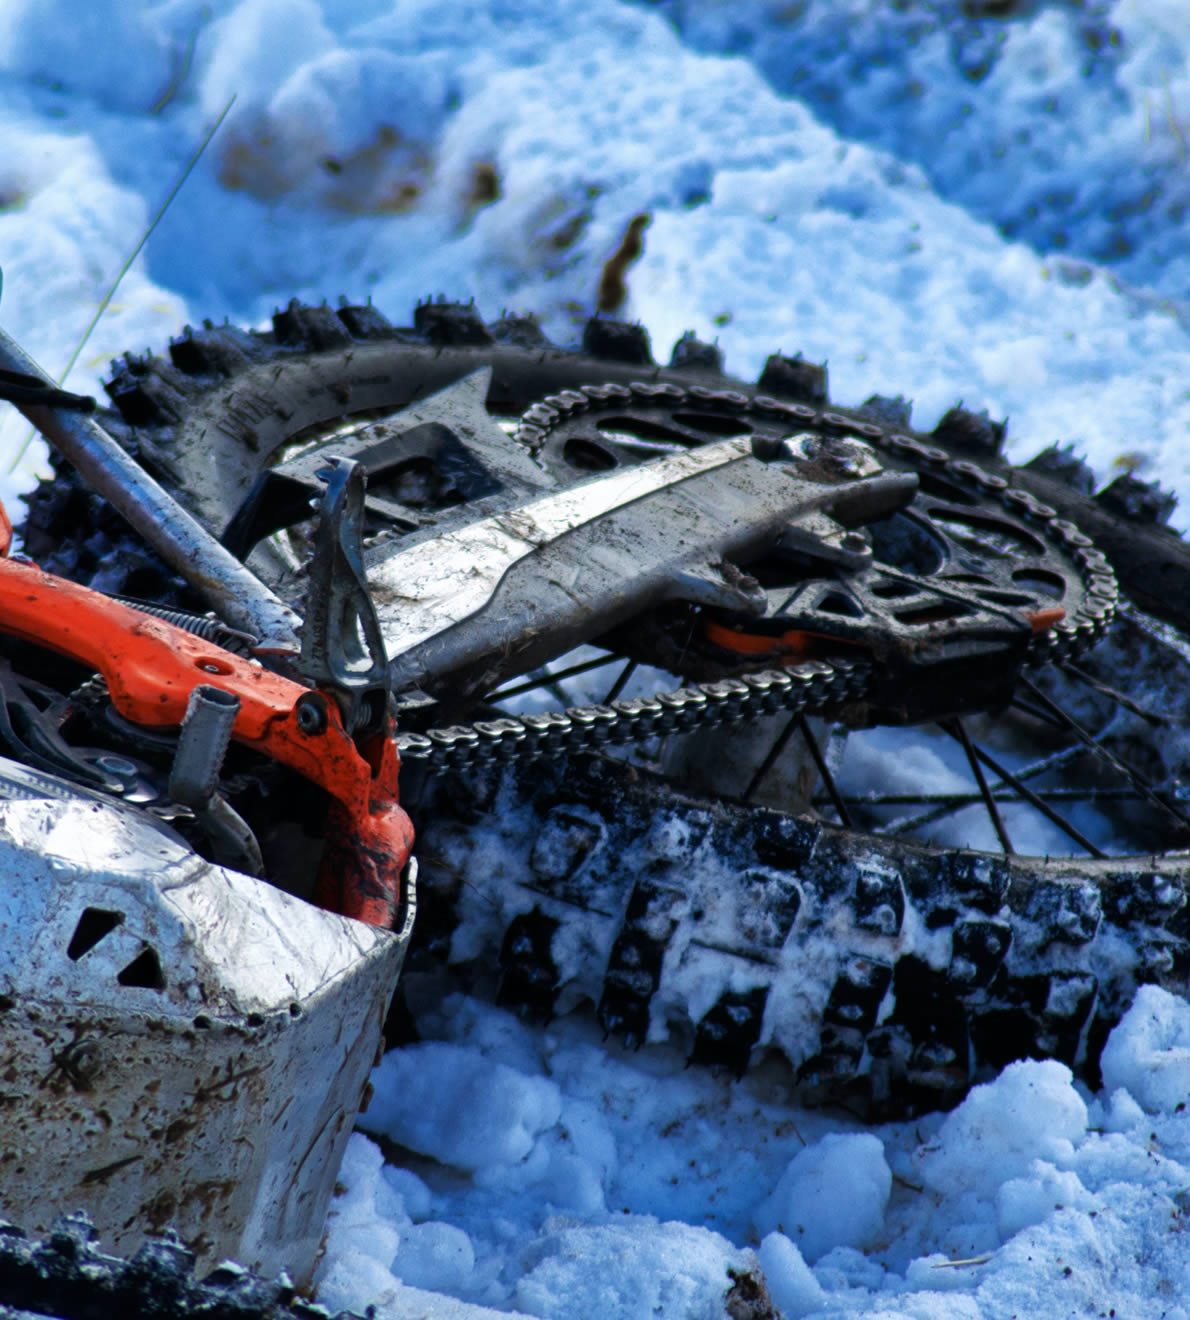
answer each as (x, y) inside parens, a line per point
(942, 206)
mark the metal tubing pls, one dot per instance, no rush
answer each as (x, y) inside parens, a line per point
(233, 591)
(202, 745)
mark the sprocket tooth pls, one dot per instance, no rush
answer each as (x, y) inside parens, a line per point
(363, 321)
(893, 412)
(307, 327)
(691, 354)
(727, 1034)
(971, 432)
(795, 379)
(617, 341)
(530, 978)
(521, 331)
(1064, 465)
(450, 325)
(1138, 501)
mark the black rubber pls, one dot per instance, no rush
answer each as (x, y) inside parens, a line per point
(65, 1276)
(1028, 956)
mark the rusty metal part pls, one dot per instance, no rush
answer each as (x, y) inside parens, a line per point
(235, 592)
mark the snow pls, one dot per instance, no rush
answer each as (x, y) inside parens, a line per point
(1031, 1111)
(942, 206)
(833, 1194)
(1150, 1060)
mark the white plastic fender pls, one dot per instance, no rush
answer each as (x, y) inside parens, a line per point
(180, 1044)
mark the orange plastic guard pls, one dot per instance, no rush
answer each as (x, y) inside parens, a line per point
(151, 668)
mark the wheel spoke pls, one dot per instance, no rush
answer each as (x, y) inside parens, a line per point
(952, 802)
(621, 680)
(955, 801)
(1018, 703)
(1130, 772)
(779, 745)
(955, 729)
(1032, 798)
(827, 778)
(1158, 721)
(545, 679)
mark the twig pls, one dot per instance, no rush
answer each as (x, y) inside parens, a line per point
(136, 251)
(1171, 117)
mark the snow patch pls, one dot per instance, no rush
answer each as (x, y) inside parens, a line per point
(1148, 1053)
(833, 1193)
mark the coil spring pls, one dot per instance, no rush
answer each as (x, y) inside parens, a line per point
(209, 628)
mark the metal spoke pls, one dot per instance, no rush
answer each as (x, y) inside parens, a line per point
(782, 741)
(546, 679)
(955, 801)
(950, 803)
(955, 729)
(827, 778)
(1046, 810)
(1133, 775)
(1119, 698)
(1018, 703)
(618, 686)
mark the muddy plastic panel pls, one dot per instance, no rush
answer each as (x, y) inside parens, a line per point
(180, 1045)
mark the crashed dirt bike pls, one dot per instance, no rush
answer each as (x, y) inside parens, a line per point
(618, 620)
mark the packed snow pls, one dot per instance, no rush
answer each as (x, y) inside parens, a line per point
(944, 206)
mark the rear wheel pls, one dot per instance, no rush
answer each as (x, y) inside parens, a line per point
(878, 908)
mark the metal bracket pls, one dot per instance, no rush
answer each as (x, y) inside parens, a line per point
(342, 644)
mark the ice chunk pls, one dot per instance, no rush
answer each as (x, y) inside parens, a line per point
(1031, 1111)
(1021, 1202)
(792, 1287)
(454, 1105)
(350, 1278)
(436, 1256)
(1149, 1051)
(832, 1194)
